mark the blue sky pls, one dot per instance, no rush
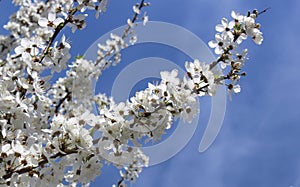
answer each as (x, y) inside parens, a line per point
(258, 144)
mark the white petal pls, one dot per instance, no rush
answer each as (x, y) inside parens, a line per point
(243, 36)
(250, 22)
(43, 22)
(236, 15)
(136, 9)
(17, 147)
(223, 65)
(212, 44)
(34, 51)
(19, 49)
(236, 88)
(58, 21)
(197, 63)
(51, 16)
(145, 20)
(6, 148)
(220, 28)
(130, 24)
(174, 73)
(103, 5)
(258, 39)
(233, 14)
(230, 35)
(255, 31)
(26, 56)
(231, 24)
(224, 22)
(163, 74)
(218, 50)
(219, 38)
(25, 42)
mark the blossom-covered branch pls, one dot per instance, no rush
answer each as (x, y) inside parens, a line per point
(48, 134)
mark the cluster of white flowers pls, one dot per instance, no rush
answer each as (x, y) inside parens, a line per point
(116, 43)
(230, 35)
(48, 134)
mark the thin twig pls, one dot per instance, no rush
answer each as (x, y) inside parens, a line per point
(134, 18)
(263, 11)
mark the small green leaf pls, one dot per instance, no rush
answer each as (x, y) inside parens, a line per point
(79, 57)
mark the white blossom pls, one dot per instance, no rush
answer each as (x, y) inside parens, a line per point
(221, 43)
(52, 21)
(27, 49)
(170, 77)
(225, 27)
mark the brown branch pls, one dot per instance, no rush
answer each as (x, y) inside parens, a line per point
(134, 18)
(41, 163)
(263, 11)
(62, 101)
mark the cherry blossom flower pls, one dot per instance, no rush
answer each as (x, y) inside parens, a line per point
(78, 22)
(225, 27)
(221, 43)
(145, 19)
(101, 8)
(237, 16)
(52, 21)
(27, 49)
(256, 35)
(170, 77)
(202, 76)
(233, 89)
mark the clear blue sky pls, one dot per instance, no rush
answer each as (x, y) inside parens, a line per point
(259, 142)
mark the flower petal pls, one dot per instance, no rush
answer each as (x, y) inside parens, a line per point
(236, 88)
(218, 50)
(25, 42)
(51, 16)
(212, 44)
(220, 28)
(19, 49)
(224, 22)
(43, 22)
(58, 21)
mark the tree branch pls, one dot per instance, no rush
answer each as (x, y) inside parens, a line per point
(42, 162)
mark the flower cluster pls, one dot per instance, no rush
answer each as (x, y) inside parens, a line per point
(113, 46)
(230, 35)
(48, 134)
